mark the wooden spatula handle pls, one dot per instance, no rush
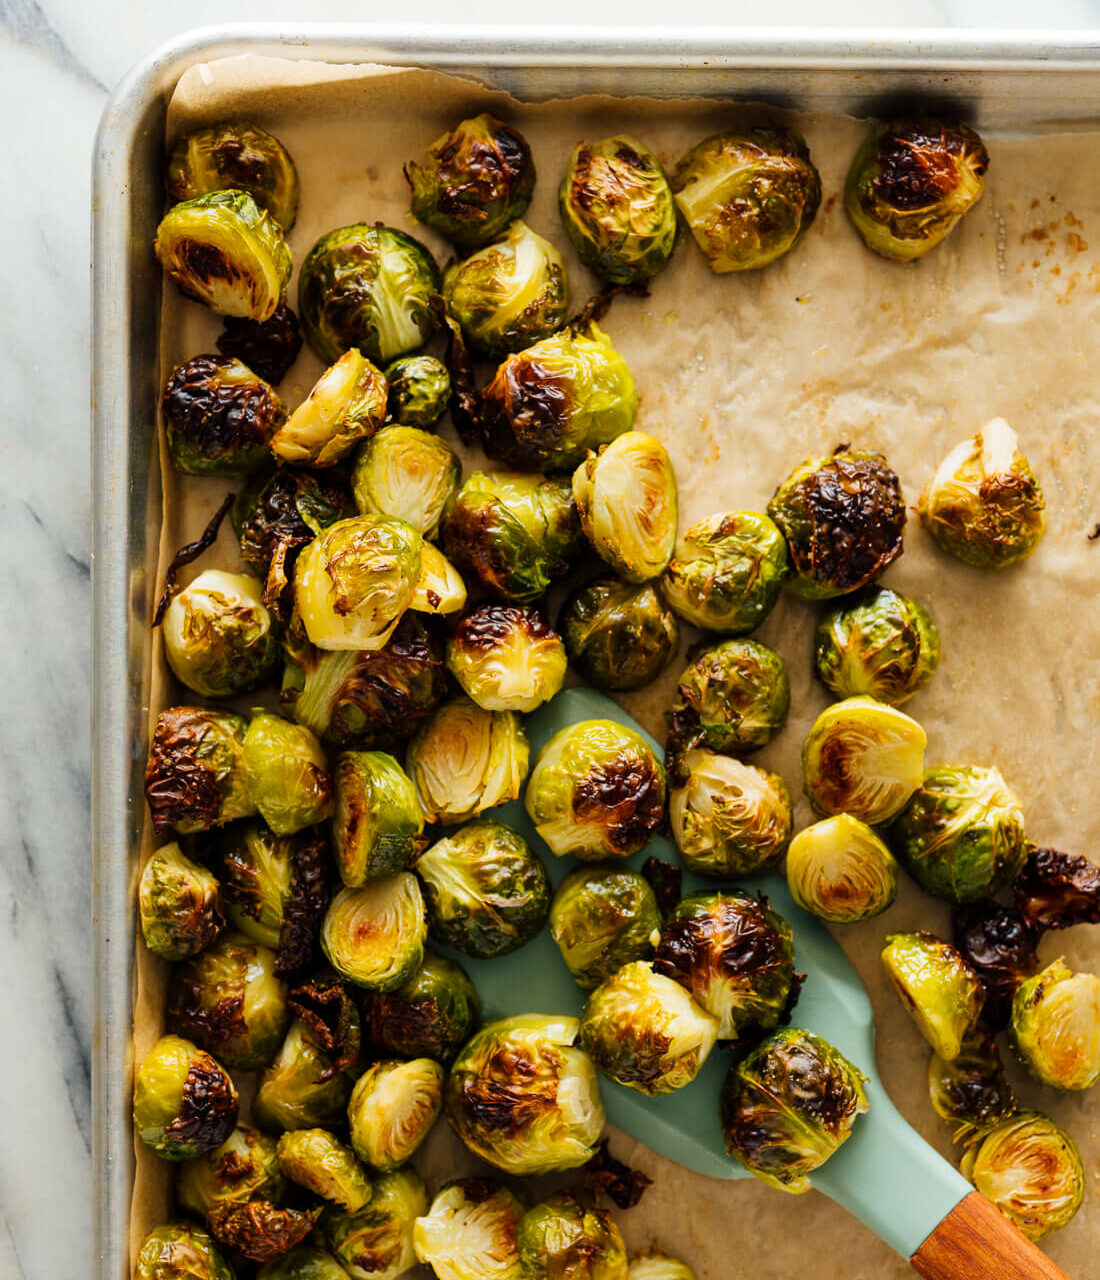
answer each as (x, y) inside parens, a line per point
(977, 1242)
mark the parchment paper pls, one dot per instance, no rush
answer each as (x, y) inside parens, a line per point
(743, 377)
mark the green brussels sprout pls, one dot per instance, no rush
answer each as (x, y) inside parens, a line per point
(180, 1251)
(655, 1265)
(728, 818)
(523, 1097)
(938, 988)
(219, 417)
(440, 588)
(506, 657)
(1055, 1027)
(287, 773)
(726, 572)
(735, 956)
(973, 1089)
(268, 347)
(314, 1159)
(347, 405)
(1030, 1169)
(355, 580)
(617, 209)
(239, 156)
(748, 197)
(843, 517)
(508, 294)
(392, 1109)
(619, 636)
(431, 1016)
(368, 287)
(862, 757)
(376, 1242)
(839, 870)
(259, 1230)
(469, 1232)
(910, 182)
(184, 1101)
(223, 250)
(245, 1167)
(374, 935)
(883, 646)
(603, 917)
(487, 893)
(645, 1031)
(408, 473)
(734, 697)
(548, 405)
(961, 835)
(377, 824)
(178, 905)
(984, 505)
(418, 390)
(569, 1237)
(219, 638)
(465, 760)
(304, 1087)
(303, 1262)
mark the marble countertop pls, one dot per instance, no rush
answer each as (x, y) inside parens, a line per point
(59, 60)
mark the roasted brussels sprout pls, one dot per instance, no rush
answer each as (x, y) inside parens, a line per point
(972, 1089)
(287, 773)
(377, 824)
(655, 1265)
(440, 588)
(1055, 890)
(325, 1007)
(268, 347)
(304, 1087)
(1030, 1169)
(984, 505)
(839, 870)
(938, 988)
(883, 645)
(375, 1243)
(619, 636)
(961, 835)
(418, 390)
(314, 1159)
(368, 287)
(374, 935)
(347, 405)
(1055, 1027)
(240, 156)
(478, 178)
(245, 1167)
(728, 818)
(469, 1233)
(733, 698)
(864, 758)
(747, 196)
(223, 250)
(392, 1109)
(431, 1016)
(178, 905)
(184, 1102)
(303, 1262)
(568, 1237)
(546, 406)
(506, 657)
(597, 790)
(259, 1230)
(219, 417)
(735, 955)
(487, 893)
(602, 918)
(180, 1251)
(195, 778)
(910, 182)
(407, 473)
(219, 638)
(999, 945)
(522, 1096)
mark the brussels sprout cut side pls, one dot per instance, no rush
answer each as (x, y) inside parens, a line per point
(240, 156)
(184, 1102)
(506, 658)
(839, 870)
(568, 1237)
(619, 636)
(733, 698)
(937, 987)
(603, 917)
(883, 646)
(469, 1232)
(1055, 1027)
(347, 405)
(440, 588)
(374, 935)
(392, 1109)
(219, 638)
(408, 473)
(177, 904)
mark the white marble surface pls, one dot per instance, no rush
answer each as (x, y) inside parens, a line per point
(58, 61)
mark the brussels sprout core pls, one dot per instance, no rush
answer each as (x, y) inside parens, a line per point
(733, 698)
(178, 904)
(287, 774)
(408, 473)
(184, 1102)
(180, 1252)
(1055, 1027)
(377, 823)
(937, 987)
(469, 1233)
(376, 1242)
(567, 1237)
(840, 871)
(219, 638)
(603, 917)
(347, 404)
(506, 658)
(619, 636)
(238, 156)
(219, 417)
(374, 935)
(885, 646)
(393, 1107)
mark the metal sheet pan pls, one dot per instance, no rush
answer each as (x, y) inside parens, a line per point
(1029, 81)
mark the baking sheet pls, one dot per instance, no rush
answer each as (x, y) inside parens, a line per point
(742, 377)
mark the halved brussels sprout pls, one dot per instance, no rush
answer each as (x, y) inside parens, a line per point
(962, 833)
(376, 1242)
(347, 405)
(839, 870)
(506, 658)
(219, 638)
(487, 893)
(303, 1262)
(431, 1016)
(843, 517)
(180, 1251)
(314, 1159)
(407, 473)
(268, 347)
(178, 905)
(735, 955)
(392, 1109)
(597, 790)
(972, 1089)
(245, 1167)
(219, 417)
(223, 250)
(418, 390)
(618, 635)
(617, 209)
(440, 588)
(469, 1233)
(287, 773)
(884, 646)
(603, 917)
(655, 1265)
(568, 1237)
(1055, 1027)
(748, 196)
(862, 757)
(938, 988)
(465, 760)
(1000, 946)
(910, 182)
(304, 1087)
(374, 935)
(546, 406)
(377, 824)
(788, 1106)
(478, 178)
(733, 698)
(240, 156)
(184, 1102)
(355, 580)
(984, 504)
(728, 818)
(259, 1230)
(1056, 890)
(522, 1096)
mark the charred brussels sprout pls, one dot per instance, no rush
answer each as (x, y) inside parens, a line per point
(180, 1251)
(418, 390)
(1055, 890)
(962, 833)
(374, 935)
(884, 646)
(1055, 1027)
(972, 1089)
(839, 870)
(392, 1109)
(223, 250)
(864, 758)
(259, 1230)
(407, 473)
(568, 1237)
(314, 1159)
(734, 697)
(747, 197)
(287, 773)
(184, 1102)
(219, 638)
(178, 905)
(268, 347)
(984, 505)
(367, 287)
(239, 156)
(440, 588)
(376, 1242)
(999, 945)
(469, 1233)
(305, 1086)
(195, 777)
(303, 1262)
(602, 918)
(377, 823)
(477, 179)
(910, 182)
(506, 658)
(431, 1016)
(219, 417)
(619, 636)
(245, 1167)
(937, 987)
(347, 405)
(655, 1265)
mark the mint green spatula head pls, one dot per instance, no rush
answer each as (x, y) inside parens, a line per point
(885, 1174)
